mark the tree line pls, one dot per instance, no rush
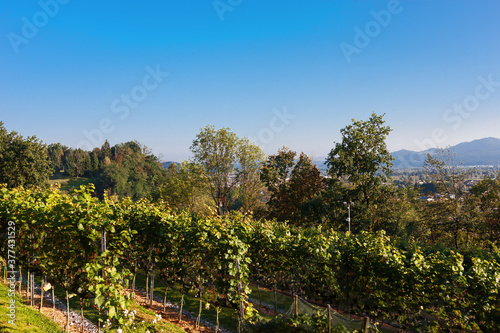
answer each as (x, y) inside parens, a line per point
(227, 173)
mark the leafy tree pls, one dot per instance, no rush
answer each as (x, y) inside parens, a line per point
(250, 187)
(450, 217)
(216, 150)
(227, 161)
(185, 189)
(275, 174)
(130, 173)
(362, 158)
(485, 196)
(94, 161)
(290, 183)
(22, 161)
(56, 156)
(361, 163)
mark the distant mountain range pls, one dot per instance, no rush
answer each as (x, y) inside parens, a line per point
(478, 152)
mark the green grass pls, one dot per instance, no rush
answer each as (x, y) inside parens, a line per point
(27, 319)
(227, 316)
(284, 302)
(68, 184)
(267, 296)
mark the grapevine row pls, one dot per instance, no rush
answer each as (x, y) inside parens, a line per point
(61, 235)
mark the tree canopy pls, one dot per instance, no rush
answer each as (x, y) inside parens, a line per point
(23, 161)
(228, 162)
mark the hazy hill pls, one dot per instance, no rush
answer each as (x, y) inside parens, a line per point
(478, 152)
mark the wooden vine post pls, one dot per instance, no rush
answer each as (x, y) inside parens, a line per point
(67, 311)
(81, 314)
(20, 280)
(296, 303)
(329, 319)
(241, 321)
(53, 304)
(32, 283)
(165, 298)
(367, 324)
(275, 300)
(41, 295)
(152, 287)
(182, 304)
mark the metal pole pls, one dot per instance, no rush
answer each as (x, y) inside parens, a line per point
(349, 217)
(349, 214)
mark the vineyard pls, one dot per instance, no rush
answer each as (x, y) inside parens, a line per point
(94, 249)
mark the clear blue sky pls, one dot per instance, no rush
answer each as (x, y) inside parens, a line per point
(280, 72)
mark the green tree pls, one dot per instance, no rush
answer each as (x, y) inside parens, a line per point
(131, 173)
(250, 187)
(22, 161)
(486, 196)
(275, 174)
(450, 218)
(185, 189)
(291, 184)
(55, 155)
(228, 162)
(362, 163)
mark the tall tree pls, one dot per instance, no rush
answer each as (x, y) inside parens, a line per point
(275, 174)
(250, 187)
(486, 197)
(291, 184)
(227, 161)
(185, 189)
(56, 155)
(22, 161)
(450, 216)
(363, 162)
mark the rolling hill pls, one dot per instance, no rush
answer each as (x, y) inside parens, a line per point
(478, 152)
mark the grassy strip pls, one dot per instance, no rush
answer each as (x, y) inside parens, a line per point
(68, 184)
(267, 296)
(284, 302)
(27, 319)
(227, 317)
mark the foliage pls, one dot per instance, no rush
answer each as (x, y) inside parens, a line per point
(420, 287)
(290, 184)
(185, 188)
(228, 162)
(362, 157)
(23, 161)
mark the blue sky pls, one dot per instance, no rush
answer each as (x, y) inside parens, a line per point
(279, 72)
